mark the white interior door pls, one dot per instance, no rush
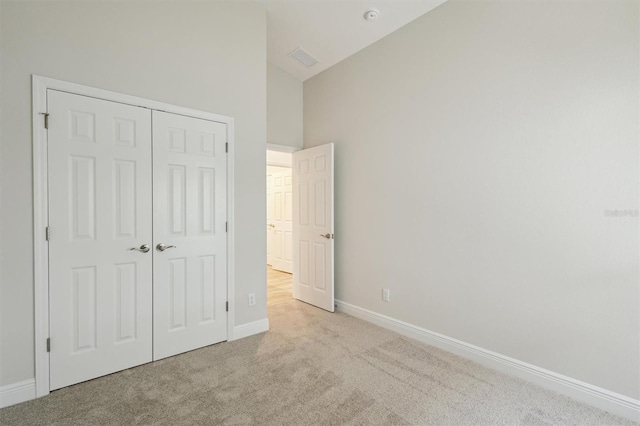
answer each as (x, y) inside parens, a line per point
(282, 221)
(190, 214)
(100, 289)
(313, 226)
(270, 224)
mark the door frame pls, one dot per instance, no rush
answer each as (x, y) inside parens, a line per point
(40, 85)
(285, 149)
(281, 148)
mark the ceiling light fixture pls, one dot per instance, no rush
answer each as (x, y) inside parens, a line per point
(371, 14)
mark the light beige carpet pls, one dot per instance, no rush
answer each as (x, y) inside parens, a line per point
(313, 367)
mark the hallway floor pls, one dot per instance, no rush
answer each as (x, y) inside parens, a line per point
(279, 286)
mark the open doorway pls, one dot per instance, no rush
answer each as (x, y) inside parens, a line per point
(300, 225)
(279, 227)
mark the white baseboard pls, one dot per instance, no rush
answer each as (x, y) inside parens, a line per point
(593, 395)
(16, 393)
(249, 329)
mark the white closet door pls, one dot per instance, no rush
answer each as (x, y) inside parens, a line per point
(313, 226)
(282, 220)
(190, 214)
(100, 291)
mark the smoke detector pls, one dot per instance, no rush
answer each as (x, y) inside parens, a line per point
(371, 14)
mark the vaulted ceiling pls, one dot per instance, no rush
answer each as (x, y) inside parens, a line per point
(332, 30)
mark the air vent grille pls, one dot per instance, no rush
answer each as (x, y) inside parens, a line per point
(304, 57)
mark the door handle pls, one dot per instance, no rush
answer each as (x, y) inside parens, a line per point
(161, 247)
(327, 236)
(143, 248)
(271, 225)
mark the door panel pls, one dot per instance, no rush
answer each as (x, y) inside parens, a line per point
(99, 208)
(190, 214)
(282, 198)
(313, 246)
(270, 224)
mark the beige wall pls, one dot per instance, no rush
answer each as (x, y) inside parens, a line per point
(284, 108)
(203, 55)
(279, 158)
(477, 151)
(277, 169)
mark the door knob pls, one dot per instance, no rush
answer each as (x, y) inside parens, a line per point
(143, 248)
(271, 225)
(162, 247)
(327, 236)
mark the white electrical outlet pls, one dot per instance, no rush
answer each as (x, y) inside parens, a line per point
(252, 299)
(386, 295)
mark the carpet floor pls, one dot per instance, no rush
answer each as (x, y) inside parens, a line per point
(311, 368)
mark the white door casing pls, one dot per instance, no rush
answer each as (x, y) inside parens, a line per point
(190, 215)
(99, 208)
(270, 224)
(282, 220)
(313, 226)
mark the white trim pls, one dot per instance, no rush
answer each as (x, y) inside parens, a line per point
(251, 328)
(593, 395)
(40, 246)
(16, 393)
(40, 85)
(282, 148)
(78, 89)
(231, 234)
(278, 164)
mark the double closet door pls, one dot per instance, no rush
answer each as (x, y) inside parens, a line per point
(137, 241)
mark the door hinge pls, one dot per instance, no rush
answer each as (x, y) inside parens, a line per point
(46, 119)
(226, 147)
(227, 306)
(47, 233)
(226, 227)
(48, 344)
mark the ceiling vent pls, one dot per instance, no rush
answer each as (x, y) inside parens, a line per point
(304, 57)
